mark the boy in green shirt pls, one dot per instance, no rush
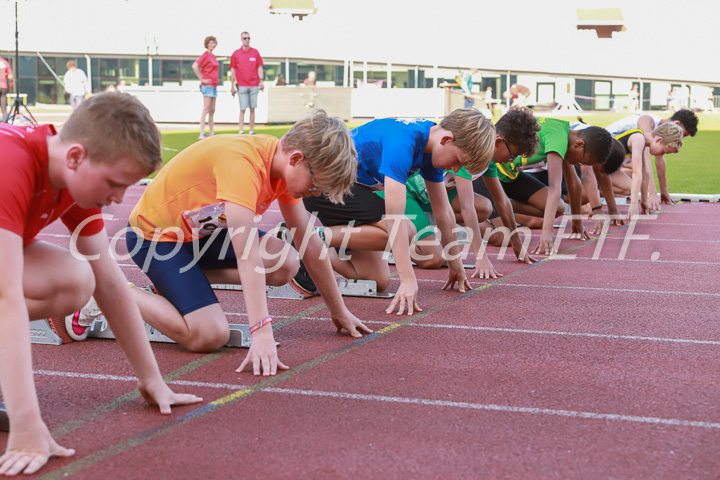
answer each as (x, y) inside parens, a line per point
(562, 149)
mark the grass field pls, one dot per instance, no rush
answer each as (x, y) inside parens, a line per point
(693, 170)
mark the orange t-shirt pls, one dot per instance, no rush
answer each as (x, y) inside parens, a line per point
(187, 198)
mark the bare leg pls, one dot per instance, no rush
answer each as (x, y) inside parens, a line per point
(206, 329)
(241, 123)
(621, 182)
(56, 291)
(252, 120)
(363, 265)
(211, 116)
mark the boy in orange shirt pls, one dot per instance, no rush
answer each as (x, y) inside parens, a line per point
(108, 143)
(196, 225)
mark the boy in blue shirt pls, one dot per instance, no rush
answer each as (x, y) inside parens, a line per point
(389, 151)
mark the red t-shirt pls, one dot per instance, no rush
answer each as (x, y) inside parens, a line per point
(246, 65)
(27, 202)
(209, 68)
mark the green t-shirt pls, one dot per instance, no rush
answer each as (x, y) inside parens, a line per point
(449, 177)
(553, 138)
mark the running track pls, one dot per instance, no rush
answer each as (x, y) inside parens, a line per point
(590, 367)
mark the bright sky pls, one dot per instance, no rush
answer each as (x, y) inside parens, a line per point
(667, 39)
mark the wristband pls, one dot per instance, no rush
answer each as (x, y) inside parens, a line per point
(599, 207)
(260, 324)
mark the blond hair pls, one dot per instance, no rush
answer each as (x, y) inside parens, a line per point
(671, 134)
(474, 135)
(329, 152)
(115, 125)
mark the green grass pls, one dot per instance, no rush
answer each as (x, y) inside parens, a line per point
(693, 170)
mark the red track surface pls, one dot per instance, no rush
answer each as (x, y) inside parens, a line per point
(583, 368)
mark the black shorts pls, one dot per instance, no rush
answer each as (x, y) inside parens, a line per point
(480, 188)
(523, 187)
(542, 175)
(363, 205)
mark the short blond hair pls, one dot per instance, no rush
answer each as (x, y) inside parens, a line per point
(115, 125)
(474, 135)
(329, 151)
(671, 133)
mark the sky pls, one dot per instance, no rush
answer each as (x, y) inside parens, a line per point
(664, 39)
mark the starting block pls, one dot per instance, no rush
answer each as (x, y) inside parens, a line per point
(284, 291)
(361, 288)
(391, 261)
(348, 288)
(41, 333)
(4, 421)
(239, 334)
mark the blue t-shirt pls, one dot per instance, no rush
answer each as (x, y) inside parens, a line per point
(393, 148)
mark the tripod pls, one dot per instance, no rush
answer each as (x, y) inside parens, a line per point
(15, 114)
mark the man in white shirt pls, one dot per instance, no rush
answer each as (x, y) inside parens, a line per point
(76, 84)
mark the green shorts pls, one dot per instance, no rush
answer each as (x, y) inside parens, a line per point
(415, 210)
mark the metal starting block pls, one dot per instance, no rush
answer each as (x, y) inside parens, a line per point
(348, 288)
(361, 288)
(41, 333)
(239, 334)
(391, 261)
(284, 291)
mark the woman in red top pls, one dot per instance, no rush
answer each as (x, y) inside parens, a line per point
(207, 70)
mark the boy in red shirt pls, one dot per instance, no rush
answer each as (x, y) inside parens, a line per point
(109, 143)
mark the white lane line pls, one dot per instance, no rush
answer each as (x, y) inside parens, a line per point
(517, 330)
(624, 290)
(417, 401)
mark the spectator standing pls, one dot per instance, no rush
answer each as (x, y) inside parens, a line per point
(489, 101)
(6, 77)
(247, 79)
(466, 86)
(76, 84)
(207, 70)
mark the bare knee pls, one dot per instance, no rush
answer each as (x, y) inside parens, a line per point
(484, 209)
(207, 339)
(76, 288)
(283, 271)
(560, 210)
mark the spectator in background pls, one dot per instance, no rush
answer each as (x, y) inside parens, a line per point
(207, 70)
(634, 98)
(489, 101)
(466, 85)
(6, 81)
(246, 76)
(76, 84)
(310, 80)
(280, 80)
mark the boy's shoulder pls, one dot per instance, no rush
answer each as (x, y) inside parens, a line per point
(31, 138)
(393, 128)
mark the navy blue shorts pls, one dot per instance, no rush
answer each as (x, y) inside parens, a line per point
(176, 277)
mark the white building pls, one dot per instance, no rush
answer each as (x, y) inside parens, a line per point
(397, 51)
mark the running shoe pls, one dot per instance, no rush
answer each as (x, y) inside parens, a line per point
(78, 324)
(302, 282)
